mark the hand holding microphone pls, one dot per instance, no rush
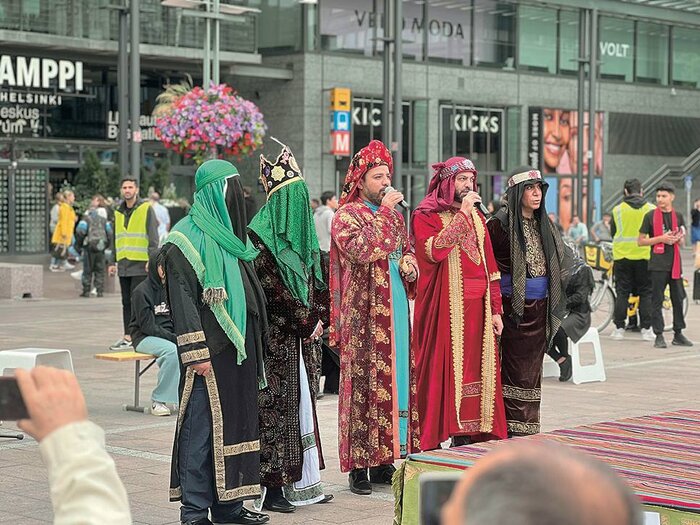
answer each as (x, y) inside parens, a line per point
(473, 199)
(392, 197)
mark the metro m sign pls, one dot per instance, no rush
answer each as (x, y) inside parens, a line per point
(340, 143)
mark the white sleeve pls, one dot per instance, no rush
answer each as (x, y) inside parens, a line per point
(83, 480)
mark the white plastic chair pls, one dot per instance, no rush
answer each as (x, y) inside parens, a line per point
(30, 357)
(587, 373)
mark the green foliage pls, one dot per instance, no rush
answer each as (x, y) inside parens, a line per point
(91, 178)
(161, 176)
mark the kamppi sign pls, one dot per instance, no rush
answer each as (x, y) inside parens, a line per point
(30, 84)
(340, 122)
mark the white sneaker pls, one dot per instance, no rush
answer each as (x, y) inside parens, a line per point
(159, 409)
(68, 266)
(55, 268)
(122, 344)
(648, 334)
(618, 334)
(77, 275)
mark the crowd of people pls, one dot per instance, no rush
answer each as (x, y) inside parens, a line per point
(245, 314)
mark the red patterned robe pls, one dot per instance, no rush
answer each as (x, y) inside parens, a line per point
(457, 363)
(361, 326)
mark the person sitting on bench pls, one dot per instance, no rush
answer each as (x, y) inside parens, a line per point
(152, 333)
(578, 318)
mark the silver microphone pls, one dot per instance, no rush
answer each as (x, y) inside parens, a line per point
(389, 189)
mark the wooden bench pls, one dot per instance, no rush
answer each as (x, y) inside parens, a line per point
(136, 357)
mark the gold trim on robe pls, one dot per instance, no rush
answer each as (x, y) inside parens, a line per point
(194, 355)
(191, 337)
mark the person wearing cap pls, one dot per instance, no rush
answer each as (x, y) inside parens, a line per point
(457, 313)
(533, 262)
(664, 229)
(289, 269)
(372, 276)
(218, 311)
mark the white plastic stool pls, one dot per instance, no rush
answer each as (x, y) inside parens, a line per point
(587, 373)
(30, 357)
(550, 368)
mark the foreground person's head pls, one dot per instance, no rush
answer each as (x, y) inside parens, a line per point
(541, 484)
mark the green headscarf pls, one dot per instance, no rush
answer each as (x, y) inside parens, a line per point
(285, 224)
(207, 241)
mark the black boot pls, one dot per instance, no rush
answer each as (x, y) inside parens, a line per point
(382, 474)
(565, 369)
(359, 484)
(660, 342)
(459, 441)
(276, 502)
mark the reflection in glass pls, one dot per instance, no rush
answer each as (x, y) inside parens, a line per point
(652, 53)
(686, 59)
(494, 34)
(616, 48)
(568, 42)
(538, 39)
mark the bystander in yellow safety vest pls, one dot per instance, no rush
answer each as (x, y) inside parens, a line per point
(628, 220)
(131, 242)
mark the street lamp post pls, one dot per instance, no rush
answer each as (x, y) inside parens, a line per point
(135, 91)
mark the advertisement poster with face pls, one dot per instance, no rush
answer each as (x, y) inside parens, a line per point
(553, 149)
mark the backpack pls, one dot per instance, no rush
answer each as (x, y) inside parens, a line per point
(97, 232)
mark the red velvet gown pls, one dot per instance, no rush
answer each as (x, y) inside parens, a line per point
(457, 362)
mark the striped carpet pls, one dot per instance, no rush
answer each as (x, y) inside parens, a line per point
(659, 455)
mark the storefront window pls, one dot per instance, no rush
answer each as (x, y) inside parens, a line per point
(568, 42)
(538, 39)
(352, 28)
(473, 132)
(368, 121)
(449, 32)
(686, 59)
(413, 35)
(494, 34)
(652, 53)
(616, 48)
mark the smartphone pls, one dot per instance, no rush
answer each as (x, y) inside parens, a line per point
(435, 489)
(12, 405)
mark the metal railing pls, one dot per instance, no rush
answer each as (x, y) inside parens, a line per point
(689, 166)
(91, 19)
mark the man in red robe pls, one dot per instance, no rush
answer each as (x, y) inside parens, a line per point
(457, 313)
(372, 275)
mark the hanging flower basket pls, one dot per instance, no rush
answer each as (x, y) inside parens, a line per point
(206, 123)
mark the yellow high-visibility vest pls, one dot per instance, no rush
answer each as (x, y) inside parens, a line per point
(628, 220)
(132, 242)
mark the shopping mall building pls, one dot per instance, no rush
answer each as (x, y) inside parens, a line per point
(495, 81)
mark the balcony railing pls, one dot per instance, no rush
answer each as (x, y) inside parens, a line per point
(92, 19)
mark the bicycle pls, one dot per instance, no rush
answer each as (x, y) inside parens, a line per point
(599, 257)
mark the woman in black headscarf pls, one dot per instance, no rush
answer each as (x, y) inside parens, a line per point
(533, 262)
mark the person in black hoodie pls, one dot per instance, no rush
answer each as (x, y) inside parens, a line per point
(152, 333)
(578, 318)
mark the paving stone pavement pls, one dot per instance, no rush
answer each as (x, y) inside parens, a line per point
(640, 380)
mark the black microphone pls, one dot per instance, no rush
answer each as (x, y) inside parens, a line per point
(403, 203)
(483, 209)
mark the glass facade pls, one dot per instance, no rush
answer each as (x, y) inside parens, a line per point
(686, 57)
(92, 19)
(538, 39)
(494, 34)
(568, 42)
(652, 53)
(616, 48)
(280, 25)
(449, 32)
